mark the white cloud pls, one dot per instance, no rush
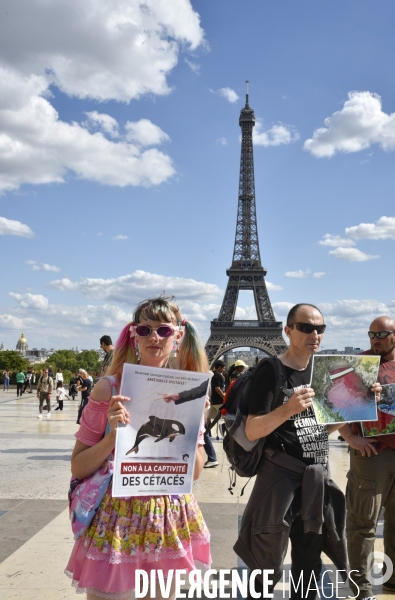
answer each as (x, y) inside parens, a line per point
(120, 237)
(9, 227)
(336, 240)
(353, 308)
(193, 66)
(30, 300)
(275, 136)
(10, 322)
(229, 94)
(140, 284)
(273, 287)
(298, 274)
(103, 122)
(383, 229)
(360, 123)
(145, 133)
(223, 141)
(319, 274)
(42, 266)
(281, 309)
(63, 326)
(352, 254)
(37, 147)
(247, 313)
(97, 49)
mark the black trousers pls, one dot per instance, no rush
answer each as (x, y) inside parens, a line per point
(28, 384)
(306, 566)
(84, 402)
(19, 389)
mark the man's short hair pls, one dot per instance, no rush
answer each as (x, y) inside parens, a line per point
(219, 363)
(105, 339)
(292, 313)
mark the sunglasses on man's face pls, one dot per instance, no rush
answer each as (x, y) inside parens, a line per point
(164, 331)
(381, 335)
(309, 328)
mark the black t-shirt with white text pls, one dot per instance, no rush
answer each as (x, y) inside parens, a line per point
(300, 435)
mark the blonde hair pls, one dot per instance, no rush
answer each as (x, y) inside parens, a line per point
(191, 354)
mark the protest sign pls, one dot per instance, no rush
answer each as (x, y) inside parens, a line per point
(342, 388)
(385, 423)
(155, 452)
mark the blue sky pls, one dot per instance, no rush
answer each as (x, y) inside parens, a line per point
(120, 149)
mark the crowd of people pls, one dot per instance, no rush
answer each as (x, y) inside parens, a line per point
(47, 381)
(294, 499)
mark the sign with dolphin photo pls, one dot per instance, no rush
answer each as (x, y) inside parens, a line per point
(155, 452)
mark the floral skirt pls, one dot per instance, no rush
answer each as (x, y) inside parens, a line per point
(148, 532)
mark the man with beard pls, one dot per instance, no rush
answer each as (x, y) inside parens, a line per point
(371, 479)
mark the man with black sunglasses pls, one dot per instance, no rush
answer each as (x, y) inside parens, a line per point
(287, 502)
(371, 479)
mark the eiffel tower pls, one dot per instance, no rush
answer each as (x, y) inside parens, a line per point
(246, 272)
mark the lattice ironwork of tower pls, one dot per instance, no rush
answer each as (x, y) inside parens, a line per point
(246, 272)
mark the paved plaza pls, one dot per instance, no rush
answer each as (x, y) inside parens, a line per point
(35, 530)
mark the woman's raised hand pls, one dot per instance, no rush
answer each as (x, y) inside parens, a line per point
(117, 412)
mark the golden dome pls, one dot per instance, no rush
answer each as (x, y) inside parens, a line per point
(22, 339)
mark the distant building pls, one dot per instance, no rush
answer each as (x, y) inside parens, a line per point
(2, 347)
(347, 350)
(22, 346)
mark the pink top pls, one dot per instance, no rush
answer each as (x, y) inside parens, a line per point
(94, 419)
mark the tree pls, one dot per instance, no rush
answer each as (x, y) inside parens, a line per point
(12, 360)
(89, 360)
(71, 362)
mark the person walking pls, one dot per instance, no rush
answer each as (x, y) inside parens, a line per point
(84, 387)
(160, 532)
(73, 386)
(28, 381)
(60, 395)
(6, 377)
(58, 377)
(216, 400)
(20, 382)
(44, 391)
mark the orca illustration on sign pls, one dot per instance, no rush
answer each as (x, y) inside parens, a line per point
(159, 429)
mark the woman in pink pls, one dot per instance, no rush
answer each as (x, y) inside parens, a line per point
(150, 532)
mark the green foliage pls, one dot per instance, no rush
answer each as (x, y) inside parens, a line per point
(70, 362)
(325, 415)
(372, 432)
(389, 428)
(10, 359)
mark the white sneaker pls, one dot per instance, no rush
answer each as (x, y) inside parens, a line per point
(210, 463)
(48, 415)
(369, 598)
(39, 416)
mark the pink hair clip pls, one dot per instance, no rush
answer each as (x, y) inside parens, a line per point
(132, 330)
(183, 322)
